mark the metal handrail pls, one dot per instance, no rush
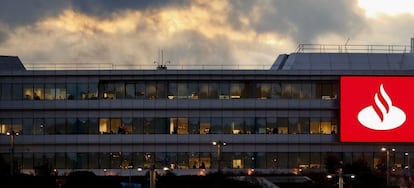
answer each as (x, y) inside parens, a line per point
(354, 48)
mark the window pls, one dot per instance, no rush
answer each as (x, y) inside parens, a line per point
(28, 91)
(235, 90)
(178, 125)
(263, 90)
(205, 126)
(129, 90)
(6, 93)
(17, 92)
(50, 92)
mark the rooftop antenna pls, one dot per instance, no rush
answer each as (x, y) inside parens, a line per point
(346, 44)
(161, 65)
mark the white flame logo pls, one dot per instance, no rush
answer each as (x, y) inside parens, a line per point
(382, 115)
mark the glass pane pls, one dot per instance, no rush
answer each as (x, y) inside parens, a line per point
(161, 126)
(194, 125)
(93, 91)
(38, 126)
(238, 126)
(120, 90)
(127, 125)
(27, 126)
(83, 126)
(72, 91)
(282, 125)
(129, 90)
(50, 92)
(307, 91)
(60, 126)
(50, 126)
(116, 126)
(205, 126)
(294, 127)
(276, 90)
(138, 126)
(93, 126)
(304, 125)
(287, 90)
(6, 91)
(217, 125)
(235, 90)
(83, 91)
(184, 91)
(264, 90)
(104, 126)
(203, 89)
(213, 90)
(261, 126)
(72, 126)
(271, 124)
(296, 91)
(151, 90)
(17, 92)
(38, 92)
(224, 90)
(315, 126)
(149, 124)
(140, 90)
(60, 91)
(193, 87)
(161, 90)
(248, 90)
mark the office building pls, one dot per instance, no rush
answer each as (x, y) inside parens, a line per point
(290, 116)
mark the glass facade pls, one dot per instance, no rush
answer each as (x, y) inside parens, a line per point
(191, 160)
(326, 90)
(170, 125)
(302, 121)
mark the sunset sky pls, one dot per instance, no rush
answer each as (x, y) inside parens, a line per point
(193, 32)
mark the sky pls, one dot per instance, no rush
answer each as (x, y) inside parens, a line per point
(193, 32)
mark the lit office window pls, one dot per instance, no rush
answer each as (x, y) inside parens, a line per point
(183, 91)
(61, 91)
(263, 90)
(224, 90)
(38, 92)
(28, 91)
(235, 90)
(50, 92)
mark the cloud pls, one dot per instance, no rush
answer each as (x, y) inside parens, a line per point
(197, 32)
(188, 36)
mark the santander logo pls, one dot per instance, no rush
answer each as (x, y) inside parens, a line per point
(376, 109)
(382, 115)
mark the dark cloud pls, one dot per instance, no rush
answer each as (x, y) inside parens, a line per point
(302, 20)
(105, 8)
(21, 12)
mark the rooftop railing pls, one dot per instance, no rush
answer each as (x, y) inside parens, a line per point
(109, 66)
(347, 48)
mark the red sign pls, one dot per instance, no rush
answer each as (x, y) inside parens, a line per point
(376, 109)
